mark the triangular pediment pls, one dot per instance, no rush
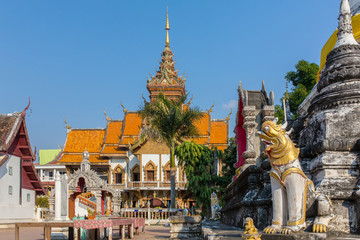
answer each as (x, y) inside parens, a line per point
(152, 147)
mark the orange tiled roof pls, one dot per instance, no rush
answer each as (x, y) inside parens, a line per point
(218, 133)
(79, 139)
(127, 140)
(132, 124)
(77, 158)
(112, 150)
(113, 132)
(203, 124)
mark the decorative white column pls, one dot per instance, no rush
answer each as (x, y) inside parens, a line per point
(249, 126)
(67, 197)
(98, 201)
(57, 197)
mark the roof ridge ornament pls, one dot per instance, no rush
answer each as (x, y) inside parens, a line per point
(124, 109)
(23, 113)
(67, 125)
(228, 117)
(167, 27)
(345, 34)
(107, 117)
(211, 108)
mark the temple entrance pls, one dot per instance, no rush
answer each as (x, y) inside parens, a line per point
(89, 194)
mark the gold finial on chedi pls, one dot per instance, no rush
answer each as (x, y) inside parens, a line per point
(251, 233)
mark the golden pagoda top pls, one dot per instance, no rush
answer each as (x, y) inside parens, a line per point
(166, 79)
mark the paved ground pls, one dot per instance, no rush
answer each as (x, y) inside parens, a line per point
(151, 232)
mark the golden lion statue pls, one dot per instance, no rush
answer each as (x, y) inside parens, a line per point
(251, 233)
(293, 193)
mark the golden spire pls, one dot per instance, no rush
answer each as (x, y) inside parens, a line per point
(167, 28)
(286, 93)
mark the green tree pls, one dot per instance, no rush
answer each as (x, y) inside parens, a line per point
(228, 170)
(197, 161)
(42, 201)
(303, 80)
(279, 112)
(169, 121)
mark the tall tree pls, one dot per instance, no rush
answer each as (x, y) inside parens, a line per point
(229, 158)
(170, 121)
(303, 80)
(197, 160)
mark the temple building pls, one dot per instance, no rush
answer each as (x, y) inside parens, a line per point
(19, 183)
(140, 170)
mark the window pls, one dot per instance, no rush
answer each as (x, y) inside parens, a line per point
(10, 171)
(51, 174)
(167, 175)
(150, 171)
(135, 173)
(10, 190)
(136, 177)
(118, 177)
(150, 176)
(28, 197)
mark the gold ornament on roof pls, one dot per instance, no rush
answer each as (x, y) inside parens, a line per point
(107, 117)
(211, 108)
(124, 109)
(67, 125)
(167, 27)
(189, 103)
(228, 117)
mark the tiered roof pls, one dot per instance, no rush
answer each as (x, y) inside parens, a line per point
(166, 80)
(121, 136)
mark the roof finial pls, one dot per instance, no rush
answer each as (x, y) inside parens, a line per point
(167, 27)
(263, 86)
(67, 125)
(23, 113)
(345, 33)
(107, 117)
(124, 109)
(286, 93)
(228, 117)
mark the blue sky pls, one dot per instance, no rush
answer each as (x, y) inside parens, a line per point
(77, 58)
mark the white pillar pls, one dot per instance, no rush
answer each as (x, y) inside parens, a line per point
(67, 197)
(57, 197)
(41, 175)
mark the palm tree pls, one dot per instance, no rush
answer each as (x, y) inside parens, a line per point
(170, 121)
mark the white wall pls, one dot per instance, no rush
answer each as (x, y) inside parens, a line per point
(10, 207)
(32, 194)
(7, 180)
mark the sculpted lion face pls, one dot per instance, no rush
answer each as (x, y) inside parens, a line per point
(273, 135)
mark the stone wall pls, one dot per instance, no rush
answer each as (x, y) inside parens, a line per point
(249, 196)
